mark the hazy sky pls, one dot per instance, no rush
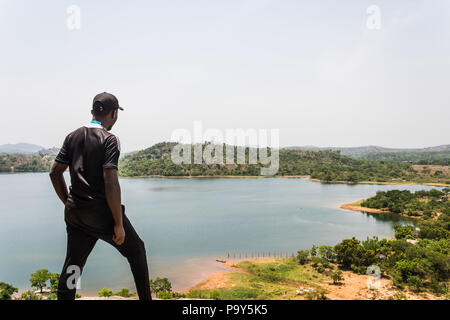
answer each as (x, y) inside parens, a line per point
(313, 70)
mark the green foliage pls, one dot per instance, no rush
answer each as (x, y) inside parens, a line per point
(39, 279)
(6, 291)
(327, 166)
(269, 272)
(303, 256)
(30, 295)
(313, 251)
(235, 293)
(164, 295)
(105, 293)
(337, 277)
(54, 280)
(124, 292)
(420, 203)
(52, 296)
(431, 232)
(317, 294)
(404, 232)
(160, 285)
(350, 252)
(327, 252)
(424, 266)
(418, 157)
(25, 163)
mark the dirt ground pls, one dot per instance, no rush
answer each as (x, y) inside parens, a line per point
(353, 287)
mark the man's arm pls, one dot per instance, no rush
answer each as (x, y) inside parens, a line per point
(113, 198)
(59, 184)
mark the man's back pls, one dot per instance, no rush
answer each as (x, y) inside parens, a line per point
(93, 209)
(87, 151)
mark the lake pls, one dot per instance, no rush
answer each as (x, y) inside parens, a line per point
(185, 223)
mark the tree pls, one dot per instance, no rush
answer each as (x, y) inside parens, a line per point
(337, 277)
(6, 291)
(349, 252)
(326, 252)
(303, 256)
(160, 285)
(39, 279)
(313, 251)
(54, 280)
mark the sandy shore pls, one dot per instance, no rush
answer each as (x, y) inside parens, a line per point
(356, 206)
(353, 287)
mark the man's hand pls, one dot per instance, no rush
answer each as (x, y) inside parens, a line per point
(119, 235)
(113, 198)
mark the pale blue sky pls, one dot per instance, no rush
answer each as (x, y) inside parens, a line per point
(311, 69)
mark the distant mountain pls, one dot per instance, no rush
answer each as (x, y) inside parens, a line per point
(352, 151)
(20, 148)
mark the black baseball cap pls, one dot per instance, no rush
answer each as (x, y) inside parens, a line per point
(105, 101)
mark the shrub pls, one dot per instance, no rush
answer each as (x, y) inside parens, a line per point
(30, 295)
(164, 295)
(404, 232)
(349, 252)
(105, 293)
(124, 292)
(160, 285)
(6, 291)
(303, 256)
(337, 277)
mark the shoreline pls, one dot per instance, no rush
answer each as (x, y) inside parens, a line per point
(393, 183)
(353, 286)
(356, 206)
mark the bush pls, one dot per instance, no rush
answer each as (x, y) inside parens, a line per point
(358, 269)
(317, 294)
(164, 295)
(160, 285)
(337, 277)
(6, 291)
(327, 252)
(30, 295)
(349, 252)
(124, 292)
(404, 232)
(105, 293)
(52, 296)
(416, 283)
(303, 256)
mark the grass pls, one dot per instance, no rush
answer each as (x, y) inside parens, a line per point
(264, 281)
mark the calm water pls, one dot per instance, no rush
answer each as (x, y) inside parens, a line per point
(185, 223)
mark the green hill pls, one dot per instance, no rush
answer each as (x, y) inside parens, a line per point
(422, 157)
(25, 163)
(322, 165)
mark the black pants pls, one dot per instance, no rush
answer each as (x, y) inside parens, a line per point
(80, 243)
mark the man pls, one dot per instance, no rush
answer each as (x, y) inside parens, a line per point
(93, 207)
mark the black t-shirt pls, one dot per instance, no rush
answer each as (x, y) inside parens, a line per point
(87, 151)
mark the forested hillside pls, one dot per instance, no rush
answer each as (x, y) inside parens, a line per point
(25, 163)
(427, 158)
(321, 165)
